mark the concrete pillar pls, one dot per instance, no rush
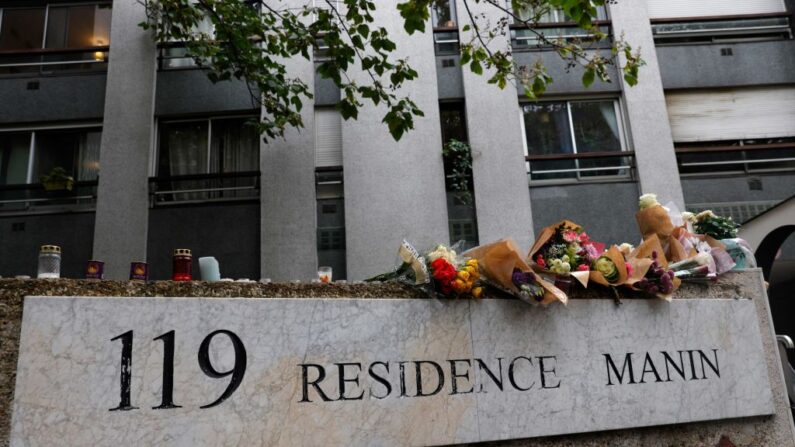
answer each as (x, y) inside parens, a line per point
(288, 213)
(502, 194)
(120, 230)
(647, 114)
(394, 189)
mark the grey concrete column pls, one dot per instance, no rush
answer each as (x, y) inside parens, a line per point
(120, 230)
(394, 189)
(647, 114)
(502, 194)
(288, 213)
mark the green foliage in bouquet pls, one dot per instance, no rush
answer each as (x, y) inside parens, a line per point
(716, 226)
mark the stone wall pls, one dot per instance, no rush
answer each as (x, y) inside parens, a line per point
(757, 431)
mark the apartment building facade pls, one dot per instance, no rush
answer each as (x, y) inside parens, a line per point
(162, 158)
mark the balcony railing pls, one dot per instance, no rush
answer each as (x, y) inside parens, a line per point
(33, 198)
(586, 166)
(736, 159)
(51, 60)
(203, 188)
(721, 29)
(522, 38)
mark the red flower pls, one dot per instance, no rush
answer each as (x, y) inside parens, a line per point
(540, 261)
(443, 271)
(583, 268)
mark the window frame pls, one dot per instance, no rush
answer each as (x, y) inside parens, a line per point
(156, 153)
(32, 130)
(624, 141)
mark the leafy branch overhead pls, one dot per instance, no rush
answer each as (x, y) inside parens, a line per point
(252, 41)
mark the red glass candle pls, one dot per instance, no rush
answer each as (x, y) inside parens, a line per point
(182, 263)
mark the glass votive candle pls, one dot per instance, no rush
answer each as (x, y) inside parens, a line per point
(324, 274)
(49, 262)
(95, 270)
(139, 271)
(182, 265)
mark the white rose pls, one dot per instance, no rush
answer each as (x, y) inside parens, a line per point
(648, 200)
(625, 248)
(687, 216)
(442, 252)
(703, 258)
(707, 214)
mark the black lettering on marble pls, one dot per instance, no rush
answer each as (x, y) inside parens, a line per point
(627, 366)
(679, 369)
(167, 394)
(343, 381)
(454, 376)
(714, 367)
(544, 371)
(511, 377)
(483, 367)
(440, 378)
(693, 376)
(648, 367)
(125, 378)
(402, 366)
(237, 372)
(380, 379)
(315, 383)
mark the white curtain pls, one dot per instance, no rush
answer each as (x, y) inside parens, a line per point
(88, 156)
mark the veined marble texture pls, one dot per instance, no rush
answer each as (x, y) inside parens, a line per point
(345, 372)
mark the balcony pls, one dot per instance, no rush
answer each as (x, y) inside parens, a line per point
(49, 61)
(599, 167)
(204, 188)
(725, 51)
(26, 199)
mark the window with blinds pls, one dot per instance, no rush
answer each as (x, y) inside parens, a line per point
(664, 9)
(328, 137)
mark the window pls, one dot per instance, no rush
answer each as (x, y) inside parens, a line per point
(217, 158)
(461, 215)
(331, 220)
(25, 157)
(443, 14)
(54, 27)
(445, 28)
(547, 18)
(574, 139)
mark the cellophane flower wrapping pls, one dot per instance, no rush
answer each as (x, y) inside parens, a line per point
(565, 249)
(499, 262)
(454, 276)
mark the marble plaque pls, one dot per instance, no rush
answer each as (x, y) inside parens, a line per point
(213, 372)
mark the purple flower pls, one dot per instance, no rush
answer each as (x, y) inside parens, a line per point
(591, 253)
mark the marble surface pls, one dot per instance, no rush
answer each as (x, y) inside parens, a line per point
(68, 373)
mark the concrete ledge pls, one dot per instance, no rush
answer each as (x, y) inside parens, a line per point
(776, 430)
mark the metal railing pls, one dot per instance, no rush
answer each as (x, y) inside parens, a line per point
(522, 38)
(48, 60)
(32, 198)
(586, 166)
(709, 29)
(202, 188)
(736, 159)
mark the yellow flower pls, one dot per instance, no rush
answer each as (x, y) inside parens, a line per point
(463, 274)
(458, 285)
(477, 292)
(472, 263)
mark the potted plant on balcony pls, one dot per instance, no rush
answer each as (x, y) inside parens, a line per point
(57, 180)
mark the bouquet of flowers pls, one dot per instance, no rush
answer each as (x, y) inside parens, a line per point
(452, 281)
(610, 269)
(650, 271)
(655, 220)
(710, 224)
(501, 264)
(565, 249)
